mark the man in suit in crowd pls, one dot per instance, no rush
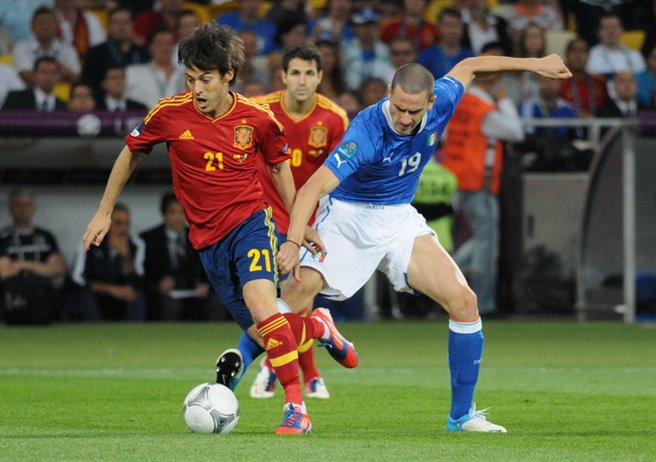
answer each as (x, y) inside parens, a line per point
(175, 282)
(113, 88)
(42, 98)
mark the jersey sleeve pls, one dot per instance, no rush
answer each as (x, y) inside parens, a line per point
(150, 132)
(273, 144)
(357, 148)
(448, 92)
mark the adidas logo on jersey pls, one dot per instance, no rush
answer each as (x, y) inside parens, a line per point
(272, 343)
(186, 135)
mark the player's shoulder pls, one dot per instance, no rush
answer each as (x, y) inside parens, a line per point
(253, 105)
(329, 105)
(269, 98)
(169, 104)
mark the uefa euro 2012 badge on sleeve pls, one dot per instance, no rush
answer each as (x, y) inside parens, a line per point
(345, 151)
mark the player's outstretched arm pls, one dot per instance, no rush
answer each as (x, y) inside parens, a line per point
(123, 167)
(320, 183)
(551, 66)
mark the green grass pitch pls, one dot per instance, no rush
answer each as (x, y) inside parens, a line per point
(565, 391)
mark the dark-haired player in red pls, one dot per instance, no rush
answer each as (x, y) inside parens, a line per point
(214, 138)
(314, 126)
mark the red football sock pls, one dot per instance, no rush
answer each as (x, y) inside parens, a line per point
(280, 346)
(306, 355)
(305, 329)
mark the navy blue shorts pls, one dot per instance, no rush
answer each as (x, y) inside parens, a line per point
(247, 253)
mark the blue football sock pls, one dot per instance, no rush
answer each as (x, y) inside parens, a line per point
(249, 350)
(465, 353)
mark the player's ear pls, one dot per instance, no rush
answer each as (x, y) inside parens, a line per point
(431, 102)
(229, 75)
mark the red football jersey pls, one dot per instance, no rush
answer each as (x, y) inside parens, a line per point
(214, 162)
(310, 140)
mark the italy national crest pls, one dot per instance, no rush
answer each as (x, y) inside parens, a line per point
(318, 137)
(243, 137)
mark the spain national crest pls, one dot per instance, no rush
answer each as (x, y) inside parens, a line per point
(243, 137)
(318, 137)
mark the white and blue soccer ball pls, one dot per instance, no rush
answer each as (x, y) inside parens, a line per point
(211, 408)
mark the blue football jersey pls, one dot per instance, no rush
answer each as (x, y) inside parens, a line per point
(375, 165)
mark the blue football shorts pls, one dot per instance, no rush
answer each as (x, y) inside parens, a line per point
(247, 253)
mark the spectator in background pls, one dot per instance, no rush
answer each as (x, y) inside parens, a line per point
(473, 151)
(589, 12)
(113, 89)
(609, 56)
(77, 27)
(111, 274)
(412, 26)
(187, 23)
(482, 27)
(623, 102)
(402, 52)
(441, 57)
(16, 16)
(366, 55)
(334, 24)
(548, 104)
(282, 12)
(646, 81)
(176, 285)
(350, 102)
(373, 90)
(544, 13)
(252, 88)
(147, 83)
(332, 83)
(9, 81)
(31, 266)
(532, 44)
(81, 98)
(587, 93)
(44, 42)
(294, 33)
(248, 17)
(119, 49)
(164, 18)
(41, 96)
(255, 66)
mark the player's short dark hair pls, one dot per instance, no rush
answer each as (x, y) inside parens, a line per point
(167, 199)
(305, 51)
(413, 78)
(213, 47)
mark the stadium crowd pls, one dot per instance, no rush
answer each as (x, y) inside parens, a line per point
(109, 55)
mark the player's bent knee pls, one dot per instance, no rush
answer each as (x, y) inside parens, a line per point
(463, 306)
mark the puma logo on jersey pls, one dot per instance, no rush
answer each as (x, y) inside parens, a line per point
(339, 160)
(388, 159)
(186, 135)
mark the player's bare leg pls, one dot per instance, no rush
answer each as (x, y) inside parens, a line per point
(433, 272)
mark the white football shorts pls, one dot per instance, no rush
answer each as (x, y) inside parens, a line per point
(361, 238)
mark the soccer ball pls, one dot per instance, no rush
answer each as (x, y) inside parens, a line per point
(211, 408)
